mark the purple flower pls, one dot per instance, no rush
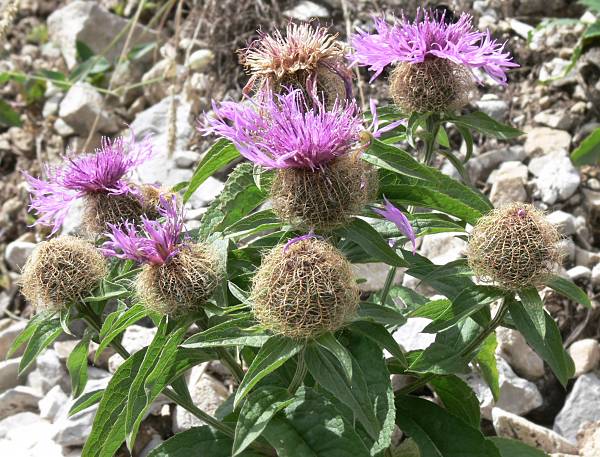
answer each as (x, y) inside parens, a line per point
(101, 171)
(154, 243)
(280, 131)
(429, 36)
(308, 236)
(374, 129)
(393, 214)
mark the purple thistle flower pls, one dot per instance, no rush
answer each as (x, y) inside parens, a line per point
(154, 242)
(280, 131)
(102, 171)
(429, 36)
(393, 214)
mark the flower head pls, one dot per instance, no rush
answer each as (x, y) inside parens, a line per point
(303, 52)
(430, 36)
(280, 131)
(61, 271)
(304, 290)
(393, 214)
(514, 246)
(154, 243)
(100, 172)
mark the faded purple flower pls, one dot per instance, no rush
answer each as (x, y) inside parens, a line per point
(304, 49)
(374, 129)
(393, 214)
(102, 171)
(429, 36)
(154, 242)
(280, 131)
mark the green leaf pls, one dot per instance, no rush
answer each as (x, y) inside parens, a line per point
(78, 367)
(239, 197)
(548, 347)
(108, 290)
(8, 116)
(84, 52)
(485, 124)
(467, 303)
(253, 223)
(458, 399)
(28, 331)
(44, 335)
(588, 152)
(432, 197)
(567, 288)
(274, 353)
(591, 4)
(397, 160)
(140, 50)
(363, 234)
(367, 357)
(108, 428)
(513, 448)
(233, 332)
(438, 433)
(466, 134)
(312, 427)
(486, 362)
(533, 304)
(220, 154)
(379, 335)
(380, 314)
(330, 343)
(328, 372)
(258, 409)
(198, 442)
(116, 323)
(85, 401)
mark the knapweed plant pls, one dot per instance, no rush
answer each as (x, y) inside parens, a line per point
(266, 284)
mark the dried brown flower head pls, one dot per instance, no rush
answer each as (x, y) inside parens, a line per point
(514, 247)
(304, 289)
(61, 271)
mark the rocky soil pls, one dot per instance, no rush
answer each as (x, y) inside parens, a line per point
(165, 91)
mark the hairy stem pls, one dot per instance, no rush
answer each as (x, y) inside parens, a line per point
(389, 281)
(299, 374)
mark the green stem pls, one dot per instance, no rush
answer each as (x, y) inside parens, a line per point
(473, 345)
(432, 127)
(389, 281)
(235, 369)
(299, 375)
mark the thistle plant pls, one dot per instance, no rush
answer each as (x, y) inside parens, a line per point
(177, 276)
(99, 179)
(304, 288)
(309, 354)
(514, 247)
(60, 272)
(307, 58)
(321, 180)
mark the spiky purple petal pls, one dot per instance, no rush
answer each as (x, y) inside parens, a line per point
(429, 36)
(101, 171)
(280, 131)
(154, 243)
(393, 214)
